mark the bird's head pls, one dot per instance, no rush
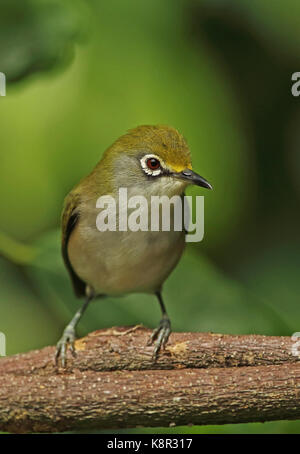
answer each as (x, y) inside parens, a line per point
(155, 158)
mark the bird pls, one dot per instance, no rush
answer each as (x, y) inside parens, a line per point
(149, 160)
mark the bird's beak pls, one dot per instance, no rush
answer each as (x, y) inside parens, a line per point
(193, 178)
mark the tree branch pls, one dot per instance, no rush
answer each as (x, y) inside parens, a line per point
(114, 383)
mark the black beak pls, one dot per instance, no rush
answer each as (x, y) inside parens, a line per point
(193, 178)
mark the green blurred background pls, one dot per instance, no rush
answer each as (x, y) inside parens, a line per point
(79, 74)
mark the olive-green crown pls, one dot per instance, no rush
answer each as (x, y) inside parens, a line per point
(163, 141)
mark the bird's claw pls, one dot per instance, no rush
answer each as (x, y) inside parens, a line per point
(160, 335)
(67, 339)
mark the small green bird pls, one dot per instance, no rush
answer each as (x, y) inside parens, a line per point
(147, 161)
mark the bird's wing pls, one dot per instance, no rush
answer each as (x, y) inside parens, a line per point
(70, 217)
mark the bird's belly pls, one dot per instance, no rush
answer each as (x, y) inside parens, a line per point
(115, 263)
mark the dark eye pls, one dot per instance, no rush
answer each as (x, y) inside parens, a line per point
(153, 163)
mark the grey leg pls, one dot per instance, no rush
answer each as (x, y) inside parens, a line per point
(69, 336)
(162, 332)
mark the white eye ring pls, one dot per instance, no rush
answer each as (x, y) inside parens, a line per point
(146, 169)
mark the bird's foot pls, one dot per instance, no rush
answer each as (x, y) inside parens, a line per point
(160, 335)
(67, 339)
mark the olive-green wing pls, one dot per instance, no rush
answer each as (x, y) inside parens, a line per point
(70, 217)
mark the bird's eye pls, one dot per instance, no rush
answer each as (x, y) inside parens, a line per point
(153, 163)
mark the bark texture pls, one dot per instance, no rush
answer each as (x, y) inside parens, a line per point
(113, 382)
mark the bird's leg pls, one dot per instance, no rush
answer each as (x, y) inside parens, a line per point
(162, 332)
(68, 337)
